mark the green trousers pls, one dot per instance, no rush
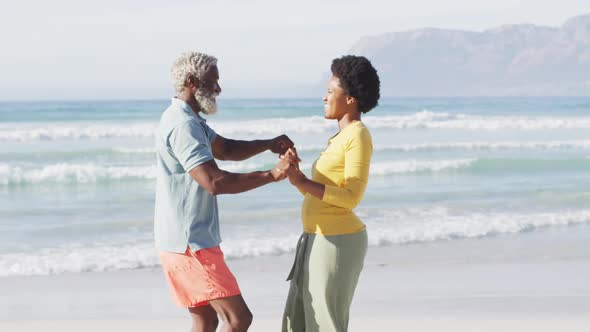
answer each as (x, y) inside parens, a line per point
(322, 282)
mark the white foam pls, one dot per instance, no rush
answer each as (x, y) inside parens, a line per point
(431, 120)
(255, 247)
(135, 150)
(414, 166)
(275, 126)
(240, 166)
(75, 131)
(76, 259)
(65, 173)
(82, 258)
(377, 168)
(439, 223)
(72, 173)
(420, 120)
(82, 130)
(468, 145)
(299, 125)
(489, 145)
(385, 228)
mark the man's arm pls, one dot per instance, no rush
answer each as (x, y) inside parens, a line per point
(216, 181)
(229, 149)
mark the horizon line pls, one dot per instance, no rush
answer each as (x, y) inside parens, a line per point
(290, 98)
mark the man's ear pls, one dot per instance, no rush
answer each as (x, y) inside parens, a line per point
(191, 81)
(350, 100)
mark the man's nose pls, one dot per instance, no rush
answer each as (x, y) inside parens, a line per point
(217, 88)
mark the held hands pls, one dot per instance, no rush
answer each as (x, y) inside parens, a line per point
(288, 164)
(279, 172)
(294, 173)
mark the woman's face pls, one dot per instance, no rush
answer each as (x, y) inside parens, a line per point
(335, 105)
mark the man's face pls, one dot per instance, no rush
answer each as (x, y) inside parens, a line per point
(208, 90)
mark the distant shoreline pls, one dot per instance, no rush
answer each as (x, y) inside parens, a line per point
(312, 98)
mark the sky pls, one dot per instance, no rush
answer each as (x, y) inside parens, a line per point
(123, 49)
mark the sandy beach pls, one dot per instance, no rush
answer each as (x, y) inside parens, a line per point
(476, 146)
(496, 284)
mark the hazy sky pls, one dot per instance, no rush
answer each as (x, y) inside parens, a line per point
(67, 49)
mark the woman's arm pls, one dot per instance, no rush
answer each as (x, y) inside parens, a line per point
(305, 185)
(357, 159)
(298, 179)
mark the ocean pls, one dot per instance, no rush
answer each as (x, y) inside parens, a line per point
(77, 178)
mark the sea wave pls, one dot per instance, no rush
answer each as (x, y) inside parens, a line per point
(486, 145)
(481, 166)
(385, 228)
(434, 146)
(75, 131)
(417, 166)
(439, 223)
(142, 153)
(299, 125)
(72, 174)
(66, 173)
(76, 259)
(433, 120)
(136, 150)
(420, 120)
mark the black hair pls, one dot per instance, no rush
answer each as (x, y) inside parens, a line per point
(359, 79)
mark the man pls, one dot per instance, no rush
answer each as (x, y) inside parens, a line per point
(186, 221)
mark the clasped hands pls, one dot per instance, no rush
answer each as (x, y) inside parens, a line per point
(288, 166)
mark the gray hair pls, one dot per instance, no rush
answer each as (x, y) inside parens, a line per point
(190, 64)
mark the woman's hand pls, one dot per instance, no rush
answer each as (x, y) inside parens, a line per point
(291, 155)
(294, 173)
(287, 163)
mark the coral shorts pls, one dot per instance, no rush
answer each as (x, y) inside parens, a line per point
(197, 277)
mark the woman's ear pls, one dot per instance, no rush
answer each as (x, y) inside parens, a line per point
(350, 100)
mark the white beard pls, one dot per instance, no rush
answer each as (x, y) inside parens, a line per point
(207, 102)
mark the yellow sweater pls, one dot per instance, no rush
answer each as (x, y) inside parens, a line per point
(344, 169)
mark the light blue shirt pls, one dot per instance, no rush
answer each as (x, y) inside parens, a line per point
(185, 214)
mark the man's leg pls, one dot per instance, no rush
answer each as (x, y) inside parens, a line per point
(204, 319)
(234, 313)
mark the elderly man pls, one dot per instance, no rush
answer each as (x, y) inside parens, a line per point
(186, 219)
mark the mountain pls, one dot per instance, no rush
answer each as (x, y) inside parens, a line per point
(509, 60)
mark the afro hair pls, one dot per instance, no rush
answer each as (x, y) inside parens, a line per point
(359, 79)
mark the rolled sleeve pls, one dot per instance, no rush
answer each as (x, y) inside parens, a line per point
(357, 161)
(191, 145)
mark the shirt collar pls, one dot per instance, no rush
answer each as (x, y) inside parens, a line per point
(186, 108)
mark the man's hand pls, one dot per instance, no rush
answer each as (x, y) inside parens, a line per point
(279, 172)
(280, 144)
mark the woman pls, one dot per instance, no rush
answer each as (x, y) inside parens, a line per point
(331, 251)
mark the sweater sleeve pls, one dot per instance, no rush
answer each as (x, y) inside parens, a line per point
(357, 161)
